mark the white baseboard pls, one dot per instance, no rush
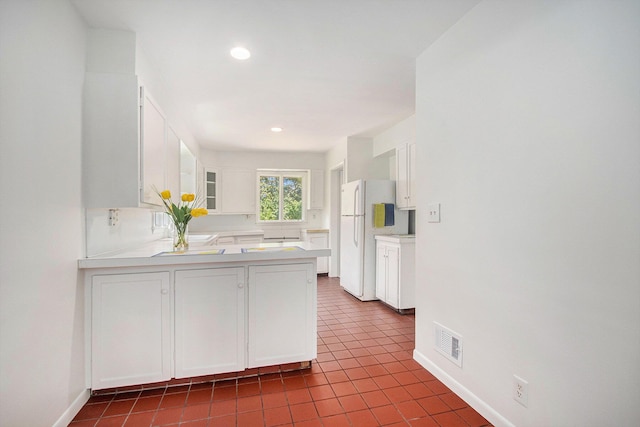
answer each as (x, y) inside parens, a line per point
(73, 409)
(476, 403)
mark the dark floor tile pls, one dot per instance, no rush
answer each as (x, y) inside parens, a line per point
(303, 411)
(92, 411)
(140, 419)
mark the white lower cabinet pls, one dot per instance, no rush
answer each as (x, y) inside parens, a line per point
(395, 271)
(318, 240)
(130, 329)
(209, 321)
(282, 314)
(226, 240)
(244, 240)
(226, 318)
(239, 239)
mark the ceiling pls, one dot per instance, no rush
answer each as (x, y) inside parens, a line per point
(322, 70)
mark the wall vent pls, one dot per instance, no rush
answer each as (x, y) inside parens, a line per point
(448, 343)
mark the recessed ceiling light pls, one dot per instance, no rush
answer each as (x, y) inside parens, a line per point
(240, 53)
(276, 129)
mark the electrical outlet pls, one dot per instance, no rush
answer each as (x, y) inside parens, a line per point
(113, 217)
(520, 391)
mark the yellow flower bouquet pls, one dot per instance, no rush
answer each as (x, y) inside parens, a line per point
(180, 215)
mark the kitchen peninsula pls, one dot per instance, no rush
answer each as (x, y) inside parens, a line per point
(153, 315)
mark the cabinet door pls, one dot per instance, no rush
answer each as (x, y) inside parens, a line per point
(282, 314)
(238, 191)
(316, 189)
(188, 171)
(226, 240)
(211, 188)
(402, 181)
(411, 176)
(381, 271)
(209, 321)
(320, 241)
(172, 161)
(393, 275)
(152, 152)
(244, 240)
(130, 329)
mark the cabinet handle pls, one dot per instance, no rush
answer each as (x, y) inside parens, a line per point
(241, 285)
(164, 291)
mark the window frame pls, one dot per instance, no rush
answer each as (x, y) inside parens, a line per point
(281, 174)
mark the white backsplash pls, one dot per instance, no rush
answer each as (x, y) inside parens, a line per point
(134, 227)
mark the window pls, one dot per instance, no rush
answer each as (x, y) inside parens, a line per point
(281, 196)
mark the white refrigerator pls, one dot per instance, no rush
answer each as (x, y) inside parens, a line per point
(357, 241)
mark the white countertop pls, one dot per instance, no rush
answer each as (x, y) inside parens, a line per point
(159, 253)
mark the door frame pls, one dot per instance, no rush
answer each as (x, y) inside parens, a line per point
(336, 181)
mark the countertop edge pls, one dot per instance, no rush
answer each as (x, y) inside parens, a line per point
(144, 261)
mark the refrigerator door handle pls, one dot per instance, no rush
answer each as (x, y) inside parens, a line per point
(355, 231)
(356, 205)
(356, 208)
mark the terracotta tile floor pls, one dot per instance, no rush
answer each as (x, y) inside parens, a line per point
(364, 376)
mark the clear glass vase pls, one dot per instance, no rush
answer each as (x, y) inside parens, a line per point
(181, 237)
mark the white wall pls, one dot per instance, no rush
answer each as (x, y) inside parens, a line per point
(42, 45)
(336, 155)
(402, 132)
(360, 161)
(264, 160)
(528, 135)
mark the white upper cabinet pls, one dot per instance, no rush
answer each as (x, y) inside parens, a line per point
(173, 163)
(188, 170)
(212, 189)
(238, 191)
(316, 189)
(230, 191)
(128, 147)
(405, 181)
(111, 156)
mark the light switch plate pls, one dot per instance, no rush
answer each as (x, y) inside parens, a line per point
(433, 212)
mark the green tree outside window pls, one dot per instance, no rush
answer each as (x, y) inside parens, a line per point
(281, 197)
